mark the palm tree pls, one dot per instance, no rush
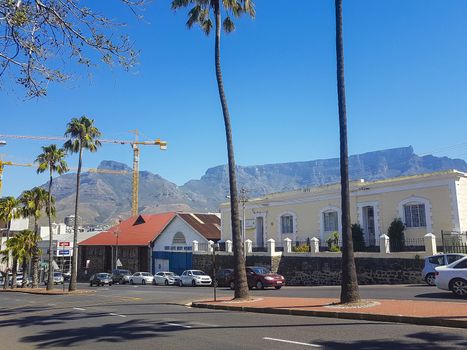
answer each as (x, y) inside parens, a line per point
(29, 240)
(349, 284)
(52, 159)
(34, 201)
(13, 248)
(8, 212)
(82, 135)
(200, 14)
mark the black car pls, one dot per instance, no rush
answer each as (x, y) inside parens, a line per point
(223, 277)
(100, 279)
(118, 274)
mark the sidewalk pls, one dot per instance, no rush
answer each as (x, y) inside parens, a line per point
(432, 313)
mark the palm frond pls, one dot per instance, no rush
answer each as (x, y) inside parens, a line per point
(228, 25)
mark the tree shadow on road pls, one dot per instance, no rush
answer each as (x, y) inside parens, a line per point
(423, 341)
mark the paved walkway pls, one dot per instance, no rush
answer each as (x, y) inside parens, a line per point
(447, 314)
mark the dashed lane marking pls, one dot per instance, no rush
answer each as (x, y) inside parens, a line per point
(293, 342)
(79, 308)
(114, 314)
(178, 325)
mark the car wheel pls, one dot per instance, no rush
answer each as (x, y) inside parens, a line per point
(232, 285)
(154, 283)
(143, 282)
(193, 283)
(166, 282)
(90, 284)
(131, 281)
(259, 285)
(459, 287)
(430, 279)
(180, 283)
(278, 287)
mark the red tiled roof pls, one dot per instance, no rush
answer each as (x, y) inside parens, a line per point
(135, 231)
(209, 225)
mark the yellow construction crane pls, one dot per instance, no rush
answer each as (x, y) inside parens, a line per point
(91, 170)
(134, 145)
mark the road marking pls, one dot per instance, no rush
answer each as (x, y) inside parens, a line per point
(113, 314)
(293, 342)
(178, 325)
(79, 308)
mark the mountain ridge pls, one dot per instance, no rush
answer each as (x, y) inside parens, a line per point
(103, 197)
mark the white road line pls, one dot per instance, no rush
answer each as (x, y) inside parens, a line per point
(293, 342)
(114, 314)
(178, 325)
(79, 308)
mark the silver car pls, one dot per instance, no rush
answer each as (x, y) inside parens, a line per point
(194, 278)
(432, 262)
(166, 278)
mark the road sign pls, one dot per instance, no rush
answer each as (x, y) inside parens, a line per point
(64, 244)
(119, 263)
(63, 252)
(54, 265)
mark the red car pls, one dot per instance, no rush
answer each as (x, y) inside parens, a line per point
(259, 277)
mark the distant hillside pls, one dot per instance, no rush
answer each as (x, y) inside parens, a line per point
(105, 196)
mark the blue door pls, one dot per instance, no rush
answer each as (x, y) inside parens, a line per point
(178, 261)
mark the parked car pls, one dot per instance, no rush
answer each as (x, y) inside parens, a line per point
(141, 278)
(259, 277)
(66, 276)
(166, 278)
(431, 262)
(119, 274)
(194, 278)
(453, 277)
(19, 280)
(58, 278)
(100, 279)
(223, 277)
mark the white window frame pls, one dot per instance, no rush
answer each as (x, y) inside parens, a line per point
(428, 212)
(291, 235)
(324, 233)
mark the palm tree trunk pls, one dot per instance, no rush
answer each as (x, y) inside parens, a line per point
(14, 272)
(5, 284)
(50, 276)
(25, 272)
(74, 260)
(349, 285)
(241, 285)
(35, 258)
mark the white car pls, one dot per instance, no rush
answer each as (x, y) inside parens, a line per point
(141, 278)
(166, 278)
(453, 277)
(194, 278)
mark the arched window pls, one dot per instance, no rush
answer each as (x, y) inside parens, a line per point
(287, 223)
(179, 238)
(415, 212)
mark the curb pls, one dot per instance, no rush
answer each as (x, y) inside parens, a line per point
(424, 321)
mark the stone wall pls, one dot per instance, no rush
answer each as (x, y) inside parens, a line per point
(303, 271)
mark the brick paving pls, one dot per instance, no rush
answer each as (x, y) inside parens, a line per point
(434, 313)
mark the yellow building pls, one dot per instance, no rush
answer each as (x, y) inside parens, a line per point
(427, 203)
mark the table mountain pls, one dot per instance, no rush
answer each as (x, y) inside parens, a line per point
(105, 196)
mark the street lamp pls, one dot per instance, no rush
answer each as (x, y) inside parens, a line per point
(117, 233)
(243, 199)
(215, 248)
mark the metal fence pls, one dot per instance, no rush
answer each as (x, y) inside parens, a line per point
(454, 242)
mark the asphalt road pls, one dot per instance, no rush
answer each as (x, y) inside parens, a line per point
(148, 317)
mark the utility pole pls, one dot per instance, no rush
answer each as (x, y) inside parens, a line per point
(243, 200)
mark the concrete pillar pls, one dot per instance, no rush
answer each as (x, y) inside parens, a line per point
(271, 246)
(210, 246)
(287, 246)
(314, 242)
(228, 246)
(195, 246)
(384, 244)
(430, 244)
(248, 246)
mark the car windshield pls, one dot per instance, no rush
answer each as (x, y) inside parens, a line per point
(259, 270)
(198, 273)
(124, 272)
(103, 275)
(57, 274)
(146, 274)
(169, 274)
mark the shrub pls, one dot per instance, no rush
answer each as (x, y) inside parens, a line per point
(357, 238)
(396, 235)
(333, 242)
(302, 248)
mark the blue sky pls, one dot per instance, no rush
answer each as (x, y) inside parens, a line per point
(406, 68)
